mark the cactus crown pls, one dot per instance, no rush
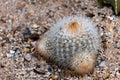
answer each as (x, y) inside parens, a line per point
(73, 26)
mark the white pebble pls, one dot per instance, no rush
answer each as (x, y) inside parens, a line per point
(35, 26)
(102, 64)
(11, 51)
(28, 57)
(8, 55)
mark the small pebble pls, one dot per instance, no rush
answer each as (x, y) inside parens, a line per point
(89, 78)
(59, 70)
(27, 45)
(48, 74)
(12, 51)
(17, 51)
(102, 64)
(8, 55)
(51, 14)
(16, 54)
(118, 44)
(39, 71)
(27, 49)
(28, 57)
(26, 33)
(106, 75)
(50, 69)
(1, 38)
(35, 26)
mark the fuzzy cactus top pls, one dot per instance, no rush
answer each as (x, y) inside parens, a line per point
(72, 42)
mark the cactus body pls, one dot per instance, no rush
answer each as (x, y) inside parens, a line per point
(71, 43)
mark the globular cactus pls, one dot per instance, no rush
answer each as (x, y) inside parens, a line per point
(71, 43)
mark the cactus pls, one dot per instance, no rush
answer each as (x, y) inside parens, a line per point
(71, 43)
(114, 3)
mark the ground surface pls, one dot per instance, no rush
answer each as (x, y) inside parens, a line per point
(21, 23)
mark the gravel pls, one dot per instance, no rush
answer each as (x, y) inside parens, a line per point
(23, 22)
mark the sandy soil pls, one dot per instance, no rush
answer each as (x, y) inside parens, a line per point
(23, 21)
